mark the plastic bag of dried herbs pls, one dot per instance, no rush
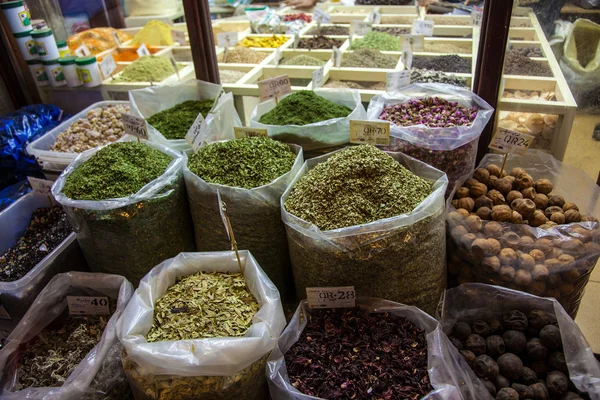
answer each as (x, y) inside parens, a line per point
(54, 354)
(401, 258)
(570, 353)
(541, 234)
(175, 123)
(130, 235)
(447, 376)
(254, 213)
(209, 368)
(421, 128)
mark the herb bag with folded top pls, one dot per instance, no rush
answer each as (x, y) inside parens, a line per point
(250, 175)
(128, 206)
(381, 349)
(59, 351)
(173, 329)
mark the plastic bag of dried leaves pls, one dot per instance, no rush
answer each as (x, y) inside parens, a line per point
(208, 368)
(84, 365)
(448, 375)
(533, 229)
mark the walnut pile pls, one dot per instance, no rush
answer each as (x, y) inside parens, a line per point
(99, 127)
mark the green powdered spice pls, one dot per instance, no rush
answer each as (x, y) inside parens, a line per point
(302, 108)
(117, 170)
(303, 60)
(377, 40)
(147, 68)
(368, 58)
(356, 186)
(175, 122)
(246, 162)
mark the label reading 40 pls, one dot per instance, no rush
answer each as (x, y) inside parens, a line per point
(331, 297)
(88, 305)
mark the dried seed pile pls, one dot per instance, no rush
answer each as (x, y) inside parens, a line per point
(303, 60)
(430, 76)
(242, 55)
(302, 108)
(368, 58)
(517, 64)
(451, 63)
(392, 30)
(175, 122)
(377, 40)
(355, 85)
(441, 47)
(528, 51)
(319, 42)
(329, 30)
(230, 75)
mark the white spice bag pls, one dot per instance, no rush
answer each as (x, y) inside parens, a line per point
(158, 368)
(476, 301)
(402, 258)
(449, 374)
(328, 133)
(219, 122)
(102, 362)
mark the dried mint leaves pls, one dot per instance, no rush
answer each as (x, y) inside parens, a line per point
(174, 122)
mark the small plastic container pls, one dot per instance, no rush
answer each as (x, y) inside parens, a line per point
(56, 77)
(38, 72)
(26, 45)
(17, 15)
(70, 71)
(88, 71)
(63, 49)
(46, 44)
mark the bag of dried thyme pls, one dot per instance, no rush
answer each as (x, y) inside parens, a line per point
(254, 211)
(172, 328)
(128, 234)
(66, 347)
(399, 255)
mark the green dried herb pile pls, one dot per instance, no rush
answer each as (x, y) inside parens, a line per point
(204, 305)
(118, 170)
(303, 60)
(377, 40)
(245, 162)
(147, 68)
(175, 122)
(368, 58)
(356, 186)
(302, 108)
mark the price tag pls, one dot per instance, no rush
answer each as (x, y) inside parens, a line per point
(422, 27)
(507, 141)
(331, 297)
(88, 305)
(178, 37)
(405, 42)
(296, 39)
(417, 42)
(274, 87)
(108, 66)
(407, 59)
(246, 131)
(82, 51)
(40, 186)
(370, 132)
(116, 38)
(143, 50)
(321, 16)
(197, 133)
(476, 18)
(397, 80)
(317, 77)
(375, 17)
(277, 56)
(360, 28)
(227, 39)
(337, 57)
(135, 126)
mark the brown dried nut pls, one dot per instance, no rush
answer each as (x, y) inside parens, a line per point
(522, 277)
(573, 246)
(462, 212)
(482, 175)
(554, 253)
(570, 206)
(454, 218)
(507, 274)
(462, 192)
(467, 203)
(517, 171)
(496, 197)
(480, 247)
(508, 257)
(556, 200)
(513, 195)
(483, 201)
(543, 186)
(493, 169)
(467, 240)
(511, 179)
(503, 185)
(552, 264)
(537, 255)
(566, 288)
(524, 181)
(473, 223)
(492, 181)
(538, 218)
(526, 262)
(529, 193)
(548, 225)
(558, 218)
(539, 272)
(504, 174)
(484, 213)
(541, 201)
(501, 213)
(543, 244)
(589, 218)
(491, 265)
(553, 292)
(525, 207)
(458, 232)
(470, 182)
(570, 275)
(516, 218)
(525, 243)
(572, 216)
(538, 288)
(510, 239)
(493, 229)
(551, 210)
(495, 246)
(478, 189)
(454, 203)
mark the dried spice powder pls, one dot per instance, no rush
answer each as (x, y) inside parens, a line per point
(319, 42)
(145, 69)
(368, 58)
(302, 108)
(451, 63)
(302, 60)
(47, 229)
(174, 122)
(351, 354)
(230, 75)
(517, 64)
(204, 305)
(329, 30)
(377, 40)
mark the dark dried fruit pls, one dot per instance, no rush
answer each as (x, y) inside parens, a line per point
(540, 368)
(485, 367)
(461, 330)
(490, 387)
(539, 319)
(501, 382)
(529, 377)
(468, 356)
(495, 326)
(524, 391)
(481, 328)
(572, 396)
(457, 343)
(557, 383)
(514, 341)
(495, 346)
(507, 394)
(540, 391)
(515, 320)
(556, 200)
(510, 366)
(556, 361)
(536, 350)
(476, 344)
(550, 337)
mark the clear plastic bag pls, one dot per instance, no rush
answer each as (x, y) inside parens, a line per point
(255, 219)
(130, 235)
(218, 368)
(449, 374)
(563, 279)
(320, 135)
(151, 100)
(451, 150)
(100, 372)
(402, 258)
(474, 301)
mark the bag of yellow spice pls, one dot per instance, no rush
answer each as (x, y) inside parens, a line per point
(183, 341)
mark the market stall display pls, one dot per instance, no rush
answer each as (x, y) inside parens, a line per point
(97, 40)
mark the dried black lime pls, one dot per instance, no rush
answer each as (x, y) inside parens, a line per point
(495, 327)
(540, 368)
(485, 367)
(529, 377)
(501, 382)
(510, 366)
(461, 330)
(476, 344)
(514, 341)
(540, 391)
(468, 356)
(481, 328)
(495, 346)
(556, 361)
(490, 387)
(550, 337)
(539, 319)
(507, 394)
(524, 391)
(457, 343)
(557, 383)
(536, 350)
(515, 320)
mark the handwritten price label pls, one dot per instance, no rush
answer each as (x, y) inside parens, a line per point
(476, 18)
(375, 17)
(507, 141)
(360, 28)
(296, 40)
(397, 80)
(135, 126)
(108, 66)
(246, 131)
(143, 50)
(88, 305)
(336, 57)
(227, 39)
(274, 87)
(197, 133)
(40, 186)
(370, 132)
(317, 77)
(422, 27)
(331, 297)
(321, 16)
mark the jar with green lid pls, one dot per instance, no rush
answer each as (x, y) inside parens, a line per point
(17, 15)
(45, 43)
(38, 72)
(88, 71)
(26, 45)
(56, 77)
(70, 70)
(63, 49)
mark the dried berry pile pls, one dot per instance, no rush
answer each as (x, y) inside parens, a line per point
(516, 63)
(319, 42)
(517, 356)
(351, 354)
(294, 17)
(451, 63)
(47, 229)
(433, 112)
